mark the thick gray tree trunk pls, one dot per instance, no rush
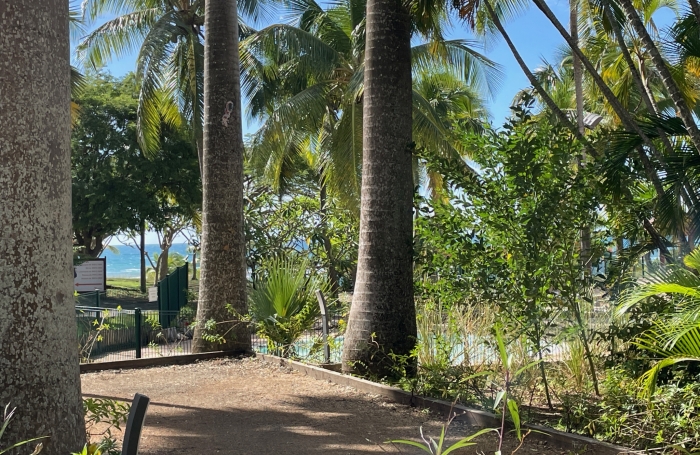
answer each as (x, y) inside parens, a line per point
(382, 317)
(222, 278)
(39, 371)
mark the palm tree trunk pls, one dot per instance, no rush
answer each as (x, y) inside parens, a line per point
(327, 246)
(222, 279)
(142, 252)
(382, 317)
(666, 78)
(199, 142)
(578, 71)
(39, 364)
(578, 89)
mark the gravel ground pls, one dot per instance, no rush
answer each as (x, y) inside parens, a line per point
(252, 407)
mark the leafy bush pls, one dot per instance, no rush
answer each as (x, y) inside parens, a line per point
(667, 420)
(101, 416)
(283, 304)
(672, 338)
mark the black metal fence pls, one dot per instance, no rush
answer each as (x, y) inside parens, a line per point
(310, 346)
(109, 334)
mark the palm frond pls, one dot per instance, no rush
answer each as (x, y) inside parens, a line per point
(117, 38)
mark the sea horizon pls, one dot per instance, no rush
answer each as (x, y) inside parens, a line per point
(127, 262)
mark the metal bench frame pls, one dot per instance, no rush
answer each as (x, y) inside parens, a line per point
(134, 424)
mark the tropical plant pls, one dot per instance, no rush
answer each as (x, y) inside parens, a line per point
(170, 62)
(283, 304)
(102, 415)
(503, 380)
(382, 320)
(675, 337)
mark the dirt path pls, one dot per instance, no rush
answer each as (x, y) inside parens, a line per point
(252, 407)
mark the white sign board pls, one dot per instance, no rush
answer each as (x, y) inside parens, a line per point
(153, 294)
(90, 275)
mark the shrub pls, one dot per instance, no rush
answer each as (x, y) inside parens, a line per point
(665, 421)
(283, 304)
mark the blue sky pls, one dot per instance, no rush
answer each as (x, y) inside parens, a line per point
(533, 35)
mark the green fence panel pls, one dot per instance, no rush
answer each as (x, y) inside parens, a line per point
(172, 294)
(183, 277)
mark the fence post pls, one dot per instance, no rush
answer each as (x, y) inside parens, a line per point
(324, 322)
(137, 327)
(97, 298)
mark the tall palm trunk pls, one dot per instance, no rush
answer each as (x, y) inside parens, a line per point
(382, 318)
(39, 372)
(666, 78)
(222, 278)
(578, 92)
(142, 254)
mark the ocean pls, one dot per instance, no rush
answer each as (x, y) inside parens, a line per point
(126, 263)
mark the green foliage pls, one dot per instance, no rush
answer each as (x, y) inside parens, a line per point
(101, 416)
(674, 337)
(509, 238)
(115, 186)
(666, 422)
(295, 224)
(7, 416)
(90, 332)
(436, 447)
(501, 381)
(283, 304)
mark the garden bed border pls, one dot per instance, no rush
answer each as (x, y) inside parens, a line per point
(155, 361)
(563, 440)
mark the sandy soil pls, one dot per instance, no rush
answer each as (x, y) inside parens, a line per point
(251, 407)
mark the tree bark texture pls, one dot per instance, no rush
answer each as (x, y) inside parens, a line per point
(39, 372)
(382, 317)
(222, 262)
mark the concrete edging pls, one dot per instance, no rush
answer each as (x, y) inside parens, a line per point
(155, 361)
(563, 440)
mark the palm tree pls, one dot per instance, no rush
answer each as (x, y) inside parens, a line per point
(39, 369)
(222, 281)
(682, 108)
(309, 100)
(382, 318)
(170, 62)
(674, 338)
(305, 84)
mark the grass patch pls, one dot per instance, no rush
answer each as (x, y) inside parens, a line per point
(129, 283)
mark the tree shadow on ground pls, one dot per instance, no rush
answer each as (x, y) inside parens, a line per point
(307, 425)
